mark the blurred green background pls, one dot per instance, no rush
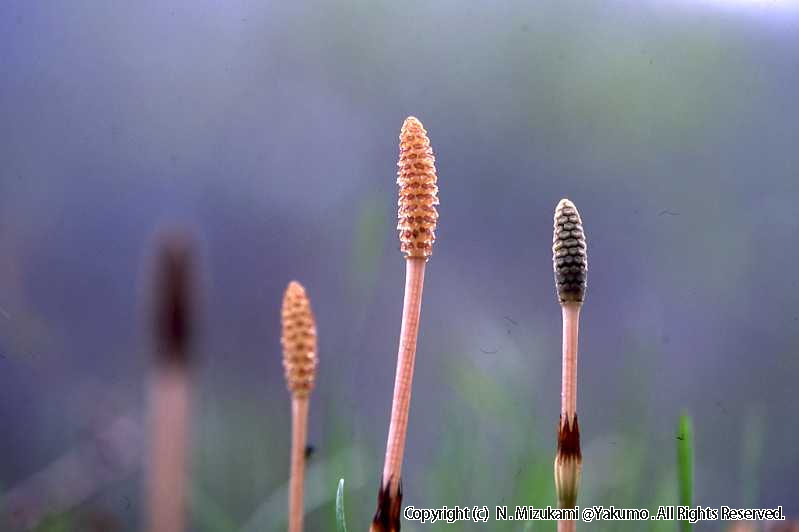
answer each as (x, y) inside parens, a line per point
(269, 131)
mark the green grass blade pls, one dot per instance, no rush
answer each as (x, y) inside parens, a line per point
(685, 465)
(341, 523)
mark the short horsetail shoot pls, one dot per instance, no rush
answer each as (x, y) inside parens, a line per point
(299, 362)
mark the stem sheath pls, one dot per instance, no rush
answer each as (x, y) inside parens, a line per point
(568, 460)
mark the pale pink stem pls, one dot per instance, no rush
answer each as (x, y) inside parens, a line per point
(567, 526)
(414, 281)
(568, 393)
(299, 435)
(169, 406)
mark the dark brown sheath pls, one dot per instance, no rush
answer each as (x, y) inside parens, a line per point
(387, 517)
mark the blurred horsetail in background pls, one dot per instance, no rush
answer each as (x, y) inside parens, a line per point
(170, 386)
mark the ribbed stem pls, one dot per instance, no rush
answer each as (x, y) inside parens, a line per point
(568, 391)
(567, 526)
(299, 436)
(169, 404)
(414, 282)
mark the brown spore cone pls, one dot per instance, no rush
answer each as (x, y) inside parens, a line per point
(298, 340)
(418, 192)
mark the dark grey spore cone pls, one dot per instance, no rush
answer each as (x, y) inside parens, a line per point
(569, 253)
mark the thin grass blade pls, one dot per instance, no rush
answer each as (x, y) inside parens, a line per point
(341, 523)
(685, 465)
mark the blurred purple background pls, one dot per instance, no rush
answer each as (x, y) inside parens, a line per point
(269, 130)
